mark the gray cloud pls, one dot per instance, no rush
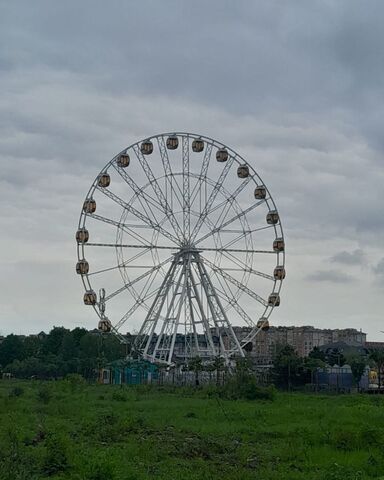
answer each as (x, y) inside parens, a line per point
(356, 257)
(296, 90)
(379, 268)
(333, 276)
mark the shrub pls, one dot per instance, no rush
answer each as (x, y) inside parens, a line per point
(75, 380)
(44, 395)
(101, 471)
(56, 459)
(16, 392)
(246, 389)
(119, 396)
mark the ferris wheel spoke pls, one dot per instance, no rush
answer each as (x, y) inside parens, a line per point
(228, 222)
(138, 302)
(138, 214)
(125, 245)
(202, 176)
(228, 202)
(186, 190)
(141, 194)
(123, 226)
(158, 192)
(244, 268)
(233, 302)
(147, 285)
(212, 198)
(137, 279)
(125, 264)
(236, 282)
(238, 250)
(169, 177)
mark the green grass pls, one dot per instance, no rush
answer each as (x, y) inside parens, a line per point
(60, 430)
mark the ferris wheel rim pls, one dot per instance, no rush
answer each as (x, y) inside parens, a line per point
(238, 158)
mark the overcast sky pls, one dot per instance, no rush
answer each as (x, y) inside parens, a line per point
(295, 87)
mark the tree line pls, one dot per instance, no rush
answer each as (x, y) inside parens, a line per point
(58, 353)
(63, 351)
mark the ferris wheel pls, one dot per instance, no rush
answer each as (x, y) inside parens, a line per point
(183, 242)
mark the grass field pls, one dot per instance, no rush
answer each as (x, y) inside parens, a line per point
(65, 430)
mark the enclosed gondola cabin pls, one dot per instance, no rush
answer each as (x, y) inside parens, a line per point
(260, 192)
(104, 180)
(82, 267)
(172, 142)
(82, 235)
(123, 160)
(222, 155)
(197, 145)
(89, 205)
(146, 147)
(272, 217)
(274, 300)
(263, 324)
(279, 273)
(278, 245)
(105, 325)
(90, 297)
(243, 171)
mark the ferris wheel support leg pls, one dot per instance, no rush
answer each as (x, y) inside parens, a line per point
(181, 303)
(166, 328)
(204, 319)
(152, 317)
(192, 320)
(218, 313)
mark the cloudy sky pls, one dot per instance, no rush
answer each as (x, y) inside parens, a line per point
(295, 87)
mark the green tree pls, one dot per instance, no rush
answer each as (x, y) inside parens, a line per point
(357, 364)
(316, 353)
(286, 367)
(243, 370)
(32, 346)
(196, 365)
(311, 365)
(12, 348)
(335, 357)
(53, 340)
(68, 348)
(218, 366)
(378, 357)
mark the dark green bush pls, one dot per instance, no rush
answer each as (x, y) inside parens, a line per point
(56, 458)
(44, 395)
(246, 389)
(16, 392)
(101, 471)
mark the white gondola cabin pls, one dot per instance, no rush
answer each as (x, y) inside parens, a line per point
(123, 160)
(105, 325)
(278, 245)
(82, 267)
(90, 297)
(272, 217)
(104, 180)
(146, 147)
(82, 235)
(89, 205)
(222, 155)
(197, 145)
(274, 300)
(172, 142)
(263, 324)
(243, 171)
(279, 273)
(260, 192)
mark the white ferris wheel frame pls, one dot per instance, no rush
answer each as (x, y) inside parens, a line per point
(186, 269)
